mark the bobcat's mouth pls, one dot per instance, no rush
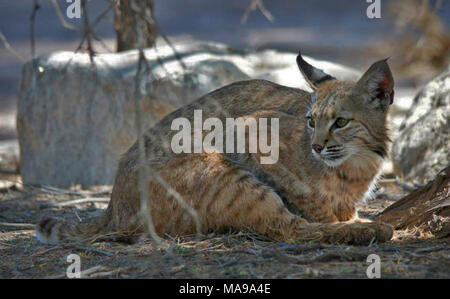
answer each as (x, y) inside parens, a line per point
(333, 158)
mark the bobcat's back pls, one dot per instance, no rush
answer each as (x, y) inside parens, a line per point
(330, 147)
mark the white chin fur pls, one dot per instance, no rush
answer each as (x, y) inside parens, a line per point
(334, 163)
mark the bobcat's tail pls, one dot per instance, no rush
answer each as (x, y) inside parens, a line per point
(53, 231)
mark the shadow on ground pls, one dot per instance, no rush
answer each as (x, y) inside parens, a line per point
(410, 254)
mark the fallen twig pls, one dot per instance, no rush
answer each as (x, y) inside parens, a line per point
(19, 225)
(79, 201)
(54, 190)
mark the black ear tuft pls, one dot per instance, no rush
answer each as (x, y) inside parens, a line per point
(313, 76)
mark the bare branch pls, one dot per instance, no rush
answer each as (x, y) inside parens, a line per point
(153, 22)
(254, 5)
(61, 17)
(9, 48)
(36, 7)
(143, 170)
(103, 15)
(87, 32)
(169, 43)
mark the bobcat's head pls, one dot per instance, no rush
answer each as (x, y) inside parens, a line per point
(347, 120)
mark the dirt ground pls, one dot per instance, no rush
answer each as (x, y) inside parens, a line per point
(410, 254)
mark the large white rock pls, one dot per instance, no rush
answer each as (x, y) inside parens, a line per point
(75, 121)
(422, 148)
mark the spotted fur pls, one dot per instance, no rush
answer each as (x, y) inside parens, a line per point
(307, 195)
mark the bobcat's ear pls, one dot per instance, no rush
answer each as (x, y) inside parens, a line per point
(313, 76)
(377, 85)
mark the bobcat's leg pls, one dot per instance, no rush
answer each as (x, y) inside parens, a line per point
(252, 204)
(227, 196)
(238, 199)
(223, 194)
(266, 213)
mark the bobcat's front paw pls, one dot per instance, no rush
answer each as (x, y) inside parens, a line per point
(356, 233)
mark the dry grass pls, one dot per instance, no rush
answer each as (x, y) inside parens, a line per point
(411, 253)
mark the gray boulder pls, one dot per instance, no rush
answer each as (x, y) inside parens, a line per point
(422, 147)
(75, 119)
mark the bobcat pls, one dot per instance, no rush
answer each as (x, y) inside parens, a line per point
(331, 145)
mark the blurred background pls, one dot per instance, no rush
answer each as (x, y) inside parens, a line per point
(412, 32)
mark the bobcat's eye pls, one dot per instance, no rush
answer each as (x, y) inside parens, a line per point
(311, 123)
(341, 122)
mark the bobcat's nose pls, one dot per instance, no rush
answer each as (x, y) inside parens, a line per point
(317, 148)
